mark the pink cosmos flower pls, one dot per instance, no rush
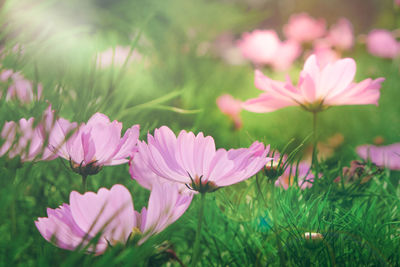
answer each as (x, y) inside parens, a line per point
(20, 88)
(383, 156)
(341, 35)
(24, 140)
(116, 57)
(305, 177)
(264, 47)
(286, 54)
(259, 46)
(324, 53)
(94, 144)
(193, 160)
(318, 88)
(230, 107)
(303, 28)
(109, 215)
(381, 43)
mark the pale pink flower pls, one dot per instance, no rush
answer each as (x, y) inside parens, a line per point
(109, 215)
(397, 2)
(231, 107)
(383, 156)
(304, 175)
(94, 144)
(194, 161)
(303, 28)
(24, 140)
(381, 43)
(116, 57)
(263, 47)
(341, 35)
(259, 46)
(318, 88)
(324, 53)
(20, 88)
(285, 55)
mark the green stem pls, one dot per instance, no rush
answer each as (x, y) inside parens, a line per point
(314, 162)
(196, 248)
(84, 183)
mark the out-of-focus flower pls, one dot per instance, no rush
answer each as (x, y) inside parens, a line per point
(383, 156)
(117, 57)
(20, 88)
(286, 54)
(381, 43)
(357, 171)
(94, 144)
(24, 140)
(325, 148)
(193, 160)
(231, 107)
(303, 28)
(259, 46)
(397, 2)
(341, 35)
(318, 88)
(265, 48)
(225, 47)
(325, 54)
(109, 216)
(304, 175)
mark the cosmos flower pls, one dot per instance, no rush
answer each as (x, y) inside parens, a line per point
(193, 160)
(304, 175)
(263, 47)
(94, 144)
(95, 221)
(303, 28)
(25, 140)
(381, 43)
(20, 88)
(341, 35)
(383, 156)
(318, 88)
(231, 107)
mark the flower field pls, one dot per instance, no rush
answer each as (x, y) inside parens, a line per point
(199, 133)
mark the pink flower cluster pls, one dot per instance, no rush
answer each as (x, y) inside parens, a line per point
(263, 47)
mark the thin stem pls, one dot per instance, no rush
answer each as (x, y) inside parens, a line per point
(314, 162)
(84, 183)
(196, 248)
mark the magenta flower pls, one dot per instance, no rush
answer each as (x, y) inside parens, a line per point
(94, 144)
(231, 107)
(304, 175)
(193, 160)
(382, 43)
(265, 48)
(20, 88)
(109, 215)
(318, 88)
(383, 156)
(303, 28)
(341, 35)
